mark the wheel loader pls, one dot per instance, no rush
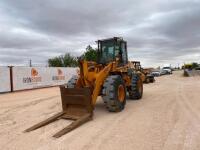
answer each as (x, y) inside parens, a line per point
(144, 73)
(138, 68)
(111, 76)
(149, 77)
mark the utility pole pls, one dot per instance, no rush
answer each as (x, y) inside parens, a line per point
(30, 63)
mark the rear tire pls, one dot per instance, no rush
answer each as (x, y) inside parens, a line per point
(147, 80)
(136, 88)
(72, 82)
(152, 80)
(114, 93)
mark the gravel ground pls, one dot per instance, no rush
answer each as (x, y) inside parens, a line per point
(167, 118)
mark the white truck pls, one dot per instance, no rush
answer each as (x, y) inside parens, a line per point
(167, 69)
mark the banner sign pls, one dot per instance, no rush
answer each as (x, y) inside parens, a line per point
(37, 77)
(5, 79)
(60, 76)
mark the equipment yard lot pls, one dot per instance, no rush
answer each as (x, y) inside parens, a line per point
(167, 117)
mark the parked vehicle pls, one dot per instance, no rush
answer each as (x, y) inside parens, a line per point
(164, 72)
(156, 73)
(167, 69)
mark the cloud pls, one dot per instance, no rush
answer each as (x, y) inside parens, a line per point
(157, 33)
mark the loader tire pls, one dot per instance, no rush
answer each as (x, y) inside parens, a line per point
(152, 80)
(72, 82)
(136, 88)
(114, 93)
(147, 80)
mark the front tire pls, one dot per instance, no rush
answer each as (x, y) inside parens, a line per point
(152, 80)
(136, 88)
(114, 93)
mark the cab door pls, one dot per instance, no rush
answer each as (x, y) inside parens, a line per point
(124, 52)
(121, 52)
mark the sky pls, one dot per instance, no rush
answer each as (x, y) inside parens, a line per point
(157, 32)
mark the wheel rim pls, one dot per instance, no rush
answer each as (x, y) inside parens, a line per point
(121, 93)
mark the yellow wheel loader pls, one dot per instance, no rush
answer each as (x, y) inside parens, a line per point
(138, 68)
(111, 76)
(144, 73)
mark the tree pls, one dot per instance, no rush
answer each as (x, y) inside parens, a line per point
(69, 61)
(63, 61)
(56, 62)
(195, 65)
(90, 54)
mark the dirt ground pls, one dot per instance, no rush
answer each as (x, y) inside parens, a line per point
(167, 118)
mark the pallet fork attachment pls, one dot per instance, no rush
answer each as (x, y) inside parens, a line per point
(77, 106)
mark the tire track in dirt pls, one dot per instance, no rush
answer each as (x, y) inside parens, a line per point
(178, 138)
(11, 124)
(32, 103)
(190, 109)
(193, 128)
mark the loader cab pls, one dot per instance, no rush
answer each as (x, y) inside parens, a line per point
(137, 65)
(110, 49)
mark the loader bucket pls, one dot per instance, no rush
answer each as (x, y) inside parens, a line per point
(76, 105)
(76, 102)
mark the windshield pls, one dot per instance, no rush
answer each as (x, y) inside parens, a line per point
(107, 52)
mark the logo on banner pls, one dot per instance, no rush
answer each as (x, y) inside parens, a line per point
(60, 73)
(60, 76)
(34, 78)
(34, 72)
